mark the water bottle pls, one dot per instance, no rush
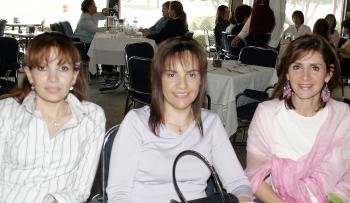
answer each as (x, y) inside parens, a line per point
(135, 27)
(116, 23)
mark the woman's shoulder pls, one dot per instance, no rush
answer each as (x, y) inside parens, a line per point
(209, 117)
(339, 106)
(8, 103)
(270, 106)
(91, 108)
(139, 114)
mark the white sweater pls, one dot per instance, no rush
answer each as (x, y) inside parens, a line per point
(141, 162)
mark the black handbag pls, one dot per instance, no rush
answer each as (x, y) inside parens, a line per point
(221, 196)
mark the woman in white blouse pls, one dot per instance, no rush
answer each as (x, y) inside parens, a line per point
(50, 137)
(88, 22)
(151, 137)
(298, 29)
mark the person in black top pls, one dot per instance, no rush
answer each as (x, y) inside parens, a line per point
(221, 23)
(176, 25)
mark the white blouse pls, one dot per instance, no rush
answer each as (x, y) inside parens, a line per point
(35, 168)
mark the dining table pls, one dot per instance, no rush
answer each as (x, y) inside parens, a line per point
(226, 82)
(109, 48)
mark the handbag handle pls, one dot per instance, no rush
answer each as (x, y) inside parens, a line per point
(217, 181)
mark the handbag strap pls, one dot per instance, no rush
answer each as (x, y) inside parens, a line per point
(217, 181)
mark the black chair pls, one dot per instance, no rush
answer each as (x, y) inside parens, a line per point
(346, 100)
(139, 88)
(2, 26)
(345, 73)
(246, 112)
(9, 64)
(259, 56)
(105, 158)
(140, 49)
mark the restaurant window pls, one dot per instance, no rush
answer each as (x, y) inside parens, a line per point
(199, 12)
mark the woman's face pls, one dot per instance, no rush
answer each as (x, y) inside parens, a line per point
(52, 80)
(297, 21)
(180, 83)
(227, 14)
(307, 76)
(92, 9)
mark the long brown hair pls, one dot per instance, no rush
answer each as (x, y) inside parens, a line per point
(179, 10)
(38, 52)
(299, 48)
(175, 49)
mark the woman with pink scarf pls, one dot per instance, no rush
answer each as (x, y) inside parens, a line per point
(298, 144)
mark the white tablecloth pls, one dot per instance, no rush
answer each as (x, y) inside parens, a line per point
(231, 79)
(108, 48)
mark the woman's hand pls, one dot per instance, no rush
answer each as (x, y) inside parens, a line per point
(245, 199)
(235, 41)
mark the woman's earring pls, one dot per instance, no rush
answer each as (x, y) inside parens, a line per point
(32, 87)
(287, 91)
(325, 94)
(71, 88)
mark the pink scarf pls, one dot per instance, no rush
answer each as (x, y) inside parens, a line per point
(326, 168)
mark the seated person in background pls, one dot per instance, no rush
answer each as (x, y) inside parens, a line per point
(232, 21)
(298, 143)
(50, 136)
(298, 29)
(268, 39)
(332, 21)
(175, 26)
(158, 26)
(321, 27)
(151, 137)
(221, 23)
(242, 14)
(345, 48)
(88, 22)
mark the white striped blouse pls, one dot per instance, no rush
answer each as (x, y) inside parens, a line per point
(35, 168)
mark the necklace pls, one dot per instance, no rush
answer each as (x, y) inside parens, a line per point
(179, 128)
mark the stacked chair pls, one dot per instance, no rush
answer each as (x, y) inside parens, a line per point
(9, 64)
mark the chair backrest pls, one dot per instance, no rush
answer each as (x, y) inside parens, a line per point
(2, 26)
(106, 156)
(139, 74)
(56, 27)
(140, 49)
(67, 28)
(259, 56)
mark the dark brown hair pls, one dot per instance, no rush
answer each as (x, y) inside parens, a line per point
(299, 15)
(220, 13)
(171, 50)
(38, 51)
(85, 5)
(331, 19)
(321, 27)
(179, 10)
(299, 48)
